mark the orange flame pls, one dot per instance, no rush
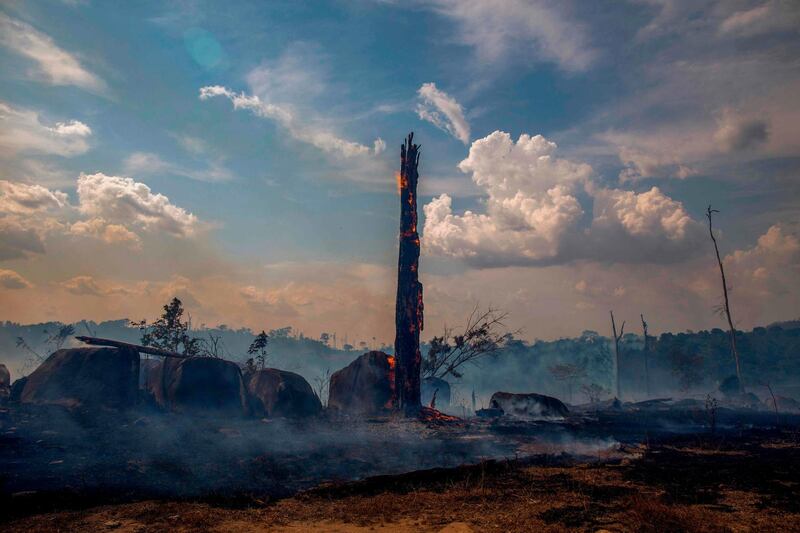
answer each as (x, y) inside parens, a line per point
(399, 179)
(393, 397)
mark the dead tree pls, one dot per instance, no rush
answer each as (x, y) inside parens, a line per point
(727, 307)
(483, 335)
(617, 338)
(646, 356)
(409, 306)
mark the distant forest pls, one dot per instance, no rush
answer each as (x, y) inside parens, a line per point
(574, 369)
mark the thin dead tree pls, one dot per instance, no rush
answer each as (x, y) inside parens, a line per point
(727, 307)
(408, 307)
(484, 334)
(646, 356)
(617, 338)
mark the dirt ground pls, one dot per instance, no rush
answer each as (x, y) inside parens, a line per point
(704, 484)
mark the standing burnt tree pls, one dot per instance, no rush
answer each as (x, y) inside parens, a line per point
(646, 352)
(617, 338)
(726, 309)
(408, 310)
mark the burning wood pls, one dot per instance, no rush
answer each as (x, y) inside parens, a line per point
(409, 306)
(432, 415)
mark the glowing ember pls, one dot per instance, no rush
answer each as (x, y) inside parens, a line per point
(428, 414)
(400, 182)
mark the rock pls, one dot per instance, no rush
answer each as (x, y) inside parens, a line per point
(278, 393)
(16, 389)
(5, 382)
(529, 406)
(442, 388)
(785, 404)
(5, 376)
(489, 413)
(151, 375)
(202, 384)
(148, 370)
(365, 386)
(77, 377)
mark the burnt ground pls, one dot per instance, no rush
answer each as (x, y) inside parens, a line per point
(153, 472)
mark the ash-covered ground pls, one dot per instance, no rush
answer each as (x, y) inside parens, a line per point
(53, 458)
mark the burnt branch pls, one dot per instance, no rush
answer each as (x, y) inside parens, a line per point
(484, 334)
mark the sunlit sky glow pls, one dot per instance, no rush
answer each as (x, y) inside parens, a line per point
(241, 155)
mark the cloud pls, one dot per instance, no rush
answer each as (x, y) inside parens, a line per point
(114, 207)
(72, 128)
(511, 29)
(769, 17)
(22, 199)
(648, 214)
(147, 163)
(12, 280)
(193, 145)
(681, 149)
(109, 233)
(18, 241)
(88, 286)
(25, 219)
(711, 91)
(737, 133)
(443, 111)
(772, 265)
(54, 65)
(534, 215)
(321, 138)
(22, 131)
(301, 74)
(122, 200)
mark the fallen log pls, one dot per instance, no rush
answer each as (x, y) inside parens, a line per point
(96, 341)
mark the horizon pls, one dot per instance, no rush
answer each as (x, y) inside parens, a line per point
(246, 163)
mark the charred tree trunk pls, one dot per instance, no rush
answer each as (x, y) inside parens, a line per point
(731, 330)
(408, 310)
(646, 356)
(617, 338)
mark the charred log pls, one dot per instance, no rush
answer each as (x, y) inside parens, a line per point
(409, 307)
(96, 341)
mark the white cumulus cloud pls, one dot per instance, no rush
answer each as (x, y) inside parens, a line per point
(106, 232)
(22, 198)
(21, 130)
(534, 213)
(122, 200)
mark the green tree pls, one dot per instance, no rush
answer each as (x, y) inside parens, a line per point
(258, 349)
(170, 331)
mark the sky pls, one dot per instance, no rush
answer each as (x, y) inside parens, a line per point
(242, 156)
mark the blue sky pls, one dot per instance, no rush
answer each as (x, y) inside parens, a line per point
(272, 196)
